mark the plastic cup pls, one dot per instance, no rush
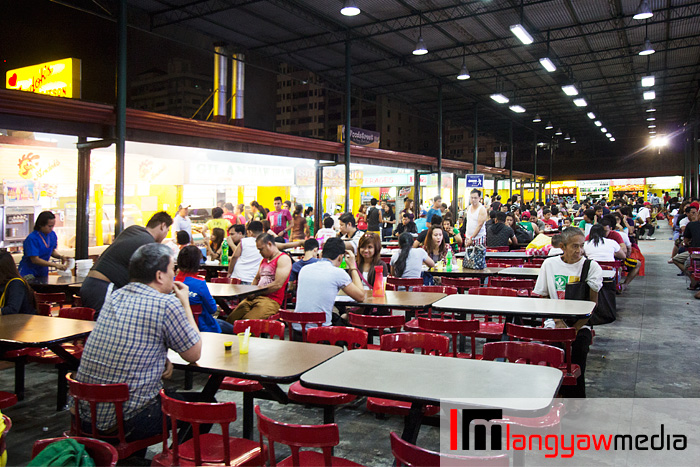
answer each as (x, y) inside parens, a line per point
(228, 345)
(243, 342)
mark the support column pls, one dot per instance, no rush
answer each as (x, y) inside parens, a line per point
(439, 161)
(511, 156)
(551, 164)
(318, 199)
(476, 137)
(695, 179)
(416, 193)
(82, 219)
(687, 148)
(534, 170)
(121, 119)
(455, 196)
(348, 121)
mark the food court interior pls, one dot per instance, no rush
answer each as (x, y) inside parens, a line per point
(561, 115)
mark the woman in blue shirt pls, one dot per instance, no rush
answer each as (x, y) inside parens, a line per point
(187, 267)
(39, 247)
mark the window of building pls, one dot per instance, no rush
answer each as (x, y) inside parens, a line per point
(388, 128)
(388, 113)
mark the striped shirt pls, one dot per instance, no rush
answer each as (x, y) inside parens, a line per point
(130, 342)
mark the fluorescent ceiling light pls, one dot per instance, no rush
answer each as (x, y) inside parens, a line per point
(591, 115)
(548, 65)
(651, 119)
(609, 135)
(350, 8)
(652, 126)
(580, 102)
(519, 31)
(573, 140)
(464, 74)
(420, 47)
(643, 11)
(500, 98)
(549, 126)
(651, 109)
(558, 132)
(570, 90)
(649, 95)
(648, 49)
(647, 81)
(518, 109)
(537, 119)
(598, 123)
(603, 130)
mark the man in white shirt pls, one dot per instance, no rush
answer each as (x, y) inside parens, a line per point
(477, 216)
(643, 220)
(245, 261)
(351, 235)
(555, 274)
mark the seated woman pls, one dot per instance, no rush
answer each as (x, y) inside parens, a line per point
(555, 274)
(407, 261)
(454, 238)
(370, 249)
(600, 248)
(17, 296)
(187, 266)
(434, 244)
(214, 246)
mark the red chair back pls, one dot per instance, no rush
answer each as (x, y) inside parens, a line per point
(303, 319)
(342, 336)
(196, 311)
(524, 286)
(449, 290)
(322, 437)
(115, 394)
(497, 291)
(429, 344)
(407, 283)
(462, 283)
(222, 274)
(57, 297)
(260, 327)
(376, 323)
(454, 327)
(77, 312)
(545, 335)
(221, 280)
(43, 309)
(512, 262)
(493, 264)
(411, 455)
(104, 454)
(525, 352)
(535, 261)
(497, 248)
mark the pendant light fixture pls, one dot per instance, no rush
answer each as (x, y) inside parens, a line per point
(643, 11)
(648, 49)
(464, 73)
(549, 126)
(537, 119)
(350, 8)
(519, 30)
(420, 49)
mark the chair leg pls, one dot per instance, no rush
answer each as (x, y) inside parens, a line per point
(248, 415)
(328, 414)
(19, 377)
(62, 391)
(189, 379)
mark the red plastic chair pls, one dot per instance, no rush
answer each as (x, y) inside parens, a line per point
(525, 352)
(43, 309)
(406, 283)
(3, 435)
(351, 338)
(303, 319)
(454, 327)
(376, 323)
(196, 312)
(462, 283)
(222, 274)
(511, 262)
(408, 342)
(497, 248)
(565, 336)
(7, 399)
(449, 290)
(258, 328)
(412, 324)
(523, 286)
(58, 298)
(223, 280)
(534, 261)
(115, 394)
(322, 437)
(493, 264)
(209, 448)
(411, 455)
(104, 454)
(491, 329)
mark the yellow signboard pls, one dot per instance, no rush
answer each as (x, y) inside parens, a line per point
(60, 78)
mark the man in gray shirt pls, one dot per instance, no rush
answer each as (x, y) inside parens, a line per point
(319, 283)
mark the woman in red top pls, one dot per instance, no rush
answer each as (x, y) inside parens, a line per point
(361, 218)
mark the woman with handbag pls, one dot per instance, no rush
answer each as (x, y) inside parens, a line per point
(571, 276)
(17, 296)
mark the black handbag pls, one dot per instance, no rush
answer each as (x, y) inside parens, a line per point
(604, 312)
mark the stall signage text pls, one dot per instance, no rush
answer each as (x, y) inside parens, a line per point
(60, 78)
(360, 136)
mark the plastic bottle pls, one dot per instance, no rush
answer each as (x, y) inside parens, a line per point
(378, 289)
(449, 260)
(343, 264)
(224, 253)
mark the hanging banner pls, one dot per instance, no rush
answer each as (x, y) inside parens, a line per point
(360, 137)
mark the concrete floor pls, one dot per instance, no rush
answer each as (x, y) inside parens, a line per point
(650, 351)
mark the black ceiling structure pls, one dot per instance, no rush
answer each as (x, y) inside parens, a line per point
(594, 44)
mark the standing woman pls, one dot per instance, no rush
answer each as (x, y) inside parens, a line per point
(361, 218)
(300, 229)
(370, 249)
(309, 215)
(39, 247)
(408, 206)
(388, 221)
(239, 214)
(17, 295)
(257, 212)
(435, 244)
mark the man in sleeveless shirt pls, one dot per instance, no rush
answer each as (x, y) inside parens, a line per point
(476, 217)
(274, 271)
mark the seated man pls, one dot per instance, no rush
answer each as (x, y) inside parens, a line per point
(351, 234)
(137, 325)
(310, 257)
(691, 238)
(326, 232)
(319, 283)
(499, 234)
(274, 271)
(644, 223)
(406, 225)
(550, 224)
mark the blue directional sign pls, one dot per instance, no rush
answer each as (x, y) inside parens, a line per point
(475, 181)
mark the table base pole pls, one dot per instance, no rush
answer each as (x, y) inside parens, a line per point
(412, 423)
